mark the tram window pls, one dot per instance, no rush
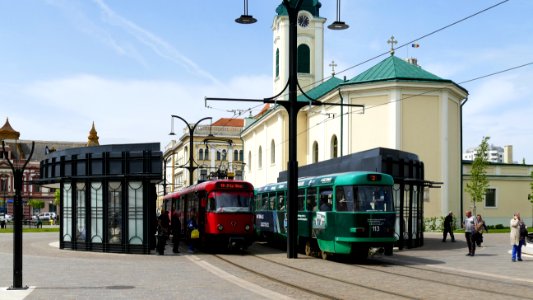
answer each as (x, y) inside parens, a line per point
(211, 204)
(232, 201)
(301, 197)
(326, 200)
(374, 198)
(281, 203)
(264, 202)
(311, 200)
(272, 202)
(340, 200)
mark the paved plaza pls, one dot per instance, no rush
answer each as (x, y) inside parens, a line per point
(52, 273)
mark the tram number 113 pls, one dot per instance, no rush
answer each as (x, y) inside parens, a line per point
(375, 228)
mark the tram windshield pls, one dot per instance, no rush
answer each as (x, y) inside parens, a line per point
(230, 202)
(365, 198)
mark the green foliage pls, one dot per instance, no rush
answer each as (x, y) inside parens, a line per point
(57, 197)
(436, 224)
(37, 204)
(479, 182)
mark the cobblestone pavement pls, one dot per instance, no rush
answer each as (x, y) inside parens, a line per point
(52, 273)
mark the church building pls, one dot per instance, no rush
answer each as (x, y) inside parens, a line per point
(394, 104)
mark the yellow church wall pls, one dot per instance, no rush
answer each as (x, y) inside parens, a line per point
(453, 144)
(370, 129)
(421, 134)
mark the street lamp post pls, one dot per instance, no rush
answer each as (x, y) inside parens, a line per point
(18, 173)
(191, 167)
(293, 106)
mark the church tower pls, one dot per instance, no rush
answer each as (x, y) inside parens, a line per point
(310, 47)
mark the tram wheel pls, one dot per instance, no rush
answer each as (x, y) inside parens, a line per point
(308, 248)
(324, 255)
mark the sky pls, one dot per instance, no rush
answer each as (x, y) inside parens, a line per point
(129, 65)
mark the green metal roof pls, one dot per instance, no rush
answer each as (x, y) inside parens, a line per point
(312, 6)
(394, 68)
(317, 92)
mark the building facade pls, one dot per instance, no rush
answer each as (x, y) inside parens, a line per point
(509, 187)
(217, 152)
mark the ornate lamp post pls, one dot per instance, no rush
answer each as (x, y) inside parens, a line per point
(18, 173)
(191, 167)
(293, 107)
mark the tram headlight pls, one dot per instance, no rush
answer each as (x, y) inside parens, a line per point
(247, 227)
(220, 227)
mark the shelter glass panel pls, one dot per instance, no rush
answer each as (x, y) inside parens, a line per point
(97, 213)
(66, 218)
(81, 231)
(135, 213)
(115, 213)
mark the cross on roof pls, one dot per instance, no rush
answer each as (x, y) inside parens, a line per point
(332, 65)
(392, 42)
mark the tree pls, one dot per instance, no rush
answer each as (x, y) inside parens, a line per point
(479, 183)
(57, 197)
(36, 204)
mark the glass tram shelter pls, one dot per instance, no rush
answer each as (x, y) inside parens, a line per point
(409, 184)
(107, 196)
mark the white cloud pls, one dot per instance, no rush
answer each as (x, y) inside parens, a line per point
(125, 110)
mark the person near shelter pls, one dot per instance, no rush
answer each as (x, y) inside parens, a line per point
(448, 227)
(517, 241)
(175, 224)
(469, 225)
(163, 226)
(192, 225)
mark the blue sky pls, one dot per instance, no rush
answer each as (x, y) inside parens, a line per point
(129, 65)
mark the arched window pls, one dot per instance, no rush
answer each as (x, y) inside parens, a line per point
(315, 152)
(218, 155)
(272, 152)
(235, 155)
(260, 157)
(206, 154)
(304, 59)
(201, 154)
(334, 147)
(186, 153)
(277, 62)
(224, 155)
(241, 155)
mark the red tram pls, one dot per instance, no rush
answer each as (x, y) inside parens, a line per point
(222, 209)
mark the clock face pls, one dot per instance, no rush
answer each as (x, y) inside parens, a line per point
(303, 20)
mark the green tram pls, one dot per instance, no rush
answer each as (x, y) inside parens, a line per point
(344, 213)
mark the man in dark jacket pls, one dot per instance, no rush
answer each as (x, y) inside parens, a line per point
(175, 224)
(163, 226)
(448, 222)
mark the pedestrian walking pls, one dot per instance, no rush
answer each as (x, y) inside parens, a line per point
(448, 227)
(175, 224)
(480, 228)
(469, 227)
(163, 226)
(518, 237)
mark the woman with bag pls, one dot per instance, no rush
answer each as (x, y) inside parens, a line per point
(193, 234)
(517, 241)
(480, 228)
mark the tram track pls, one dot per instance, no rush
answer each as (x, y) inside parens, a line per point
(438, 280)
(305, 289)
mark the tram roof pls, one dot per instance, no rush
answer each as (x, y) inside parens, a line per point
(345, 178)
